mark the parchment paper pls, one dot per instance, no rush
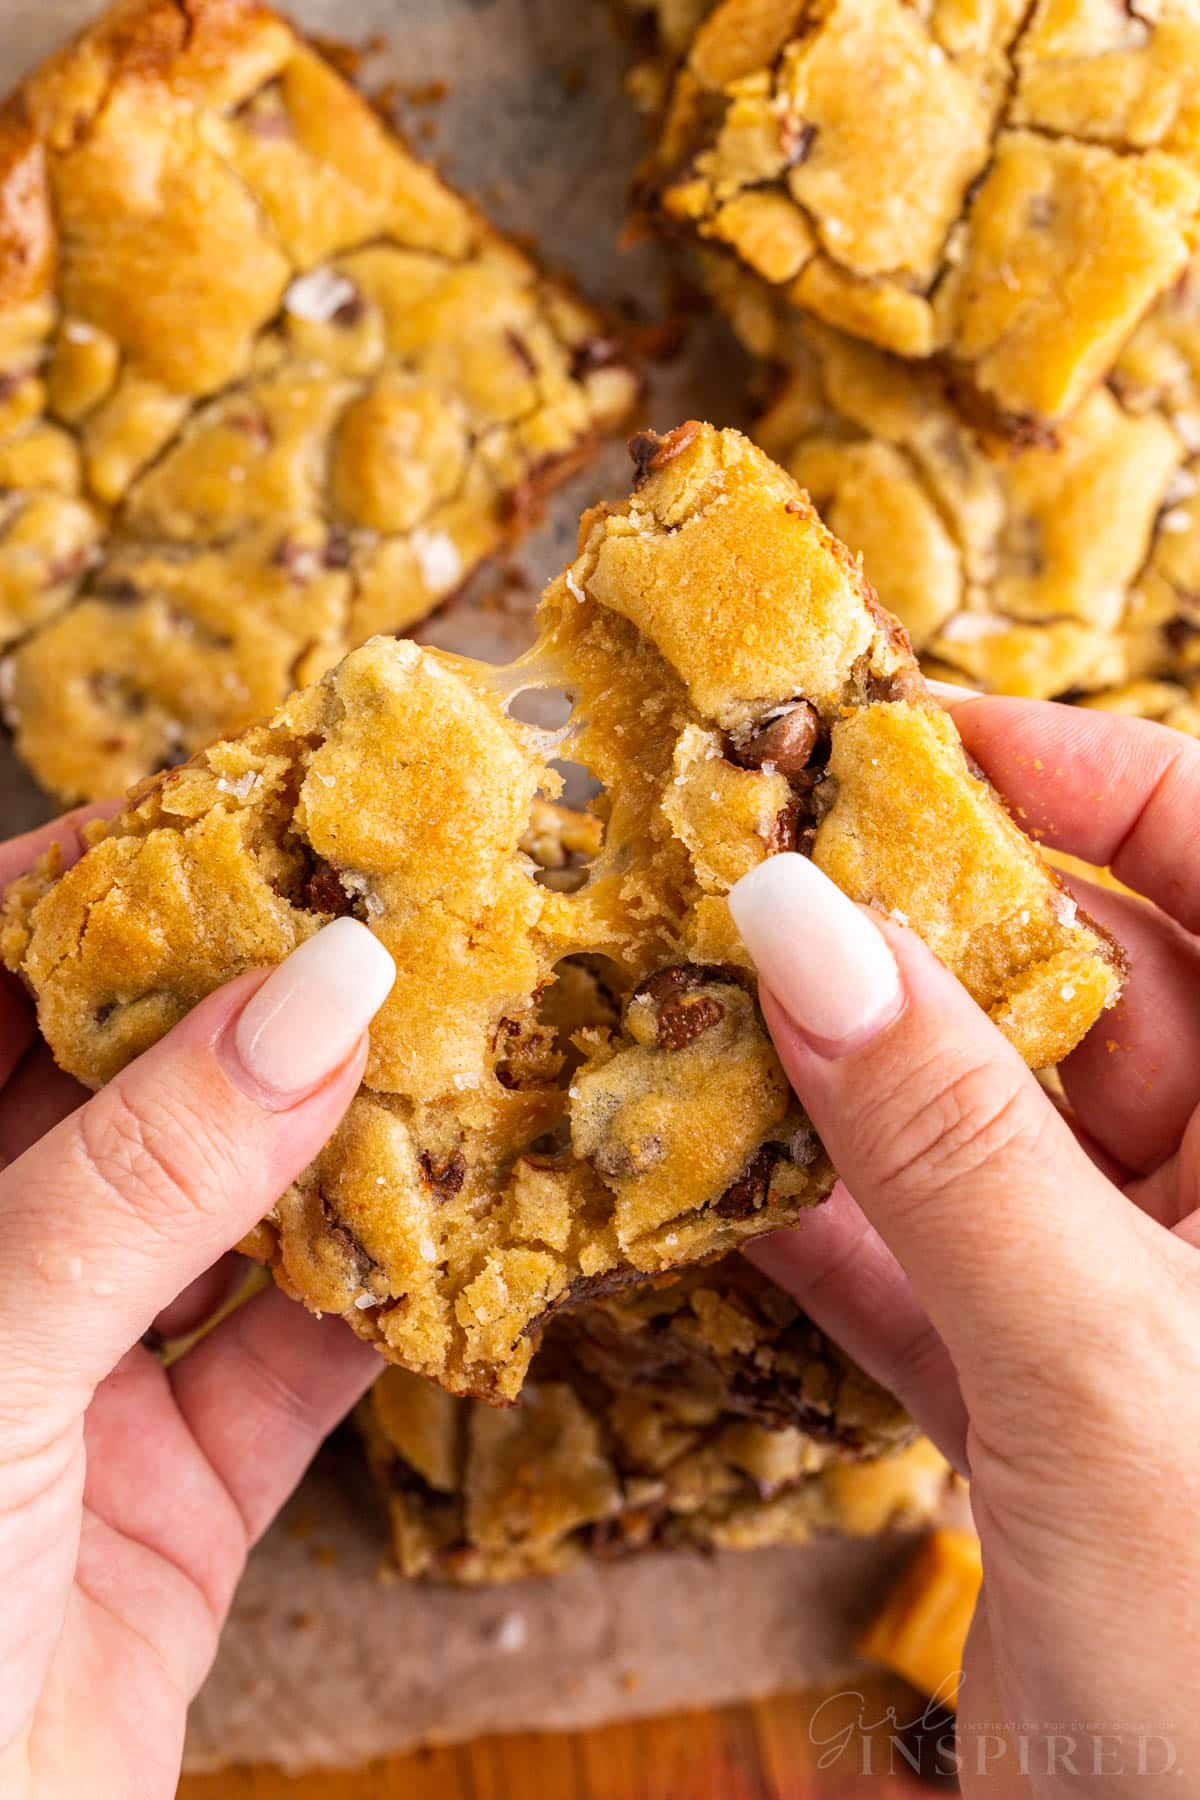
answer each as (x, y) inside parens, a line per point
(321, 1664)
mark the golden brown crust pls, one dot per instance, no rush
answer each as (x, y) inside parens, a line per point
(1021, 184)
(27, 246)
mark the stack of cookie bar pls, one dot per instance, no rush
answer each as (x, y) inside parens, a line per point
(977, 290)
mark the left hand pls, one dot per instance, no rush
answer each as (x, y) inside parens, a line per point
(129, 1493)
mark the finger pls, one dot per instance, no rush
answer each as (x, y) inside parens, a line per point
(38, 1097)
(1134, 1082)
(945, 1139)
(18, 1025)
(191, 1465)
(1122, 793)
(294, 1376)
(112, 1214)
(1172, 1193)
(838, 1268)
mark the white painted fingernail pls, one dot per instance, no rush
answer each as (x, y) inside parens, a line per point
(951, 695)
(307, 1017)
(818, 953)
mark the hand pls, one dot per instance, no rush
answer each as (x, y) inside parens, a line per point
(130, 1494)
(1028, 1285)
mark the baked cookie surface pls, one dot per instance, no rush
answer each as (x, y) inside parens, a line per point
(1057, 569)
(267, 386)
(704, 1412)
(1007, 186)
(570, 1087)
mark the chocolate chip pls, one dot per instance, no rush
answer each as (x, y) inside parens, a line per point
(522, 352)
(173, 758)
(785, 829)
(681, 1022)
(594, 353)
(651, 452)
(786, 740)
(323, 892)
(446, 1178)
(350, 313)
(339, 551)
(678, 978)
(748, 1194)
(796, 138)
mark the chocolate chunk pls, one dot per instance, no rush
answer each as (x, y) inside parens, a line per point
(678, 978)
(786, 740)
(651, 452)
(594, 353)
(748, 1194)
(681, 1022)
(323, 892)
(446, 1178)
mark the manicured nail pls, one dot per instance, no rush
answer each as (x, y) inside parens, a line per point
(818, 953)
(950, 695)
(307, 1017)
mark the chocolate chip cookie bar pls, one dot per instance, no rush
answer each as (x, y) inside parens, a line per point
(267, 386)
(1005, 186)
(737, 691)
(1059, 569)
(703, 1412)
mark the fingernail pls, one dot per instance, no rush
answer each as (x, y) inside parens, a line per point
(821, 956)
(307, 1017)
(951, 695)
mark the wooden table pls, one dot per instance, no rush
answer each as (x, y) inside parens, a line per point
(761, 1752)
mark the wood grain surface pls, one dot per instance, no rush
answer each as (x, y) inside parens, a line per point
(796, 1747)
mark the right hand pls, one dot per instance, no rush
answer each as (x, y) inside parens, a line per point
(1028, 1285)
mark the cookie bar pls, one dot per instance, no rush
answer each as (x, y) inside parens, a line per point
(1006, 186)
(267, 386)
(702, 1413)
(1062, 568)
(737, 692)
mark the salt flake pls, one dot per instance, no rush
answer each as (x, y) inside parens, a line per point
(317, 296)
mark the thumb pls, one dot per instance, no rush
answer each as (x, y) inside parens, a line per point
(942, 1135)
(110, 1215)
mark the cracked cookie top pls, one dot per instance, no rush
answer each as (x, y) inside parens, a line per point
(704, 1411)
(536, 1130)
(1007, 184)
(1063, 568)
(267, 386)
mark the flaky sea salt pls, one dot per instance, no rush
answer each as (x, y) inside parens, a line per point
(573, 587)
(1066, 991)
(466, 1078)
(1066, 910)
(317, 296)
(364, 1302)
(242, 786)
(901, 918)
(428, 1249)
